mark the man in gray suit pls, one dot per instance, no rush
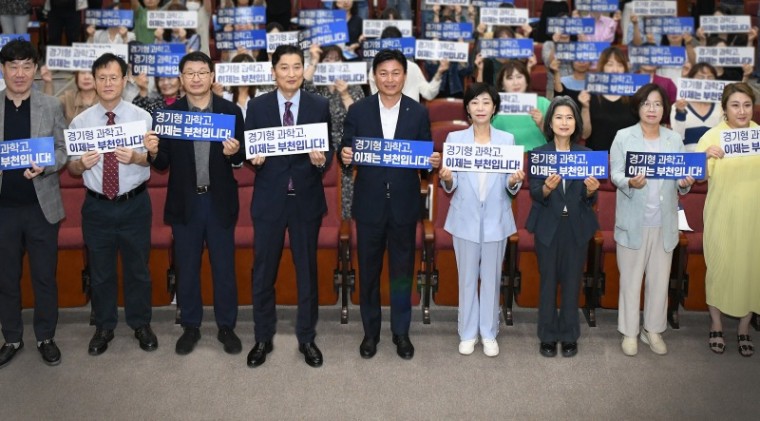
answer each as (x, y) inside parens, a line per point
(30, 206)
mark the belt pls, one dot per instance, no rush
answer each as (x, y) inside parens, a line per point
(120, 198)
(201, 189)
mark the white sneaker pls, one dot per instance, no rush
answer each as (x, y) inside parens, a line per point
(490, 347)
(630, 346)
(467, 347)
(655, 342)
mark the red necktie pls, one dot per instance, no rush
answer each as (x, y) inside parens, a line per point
(110, 167)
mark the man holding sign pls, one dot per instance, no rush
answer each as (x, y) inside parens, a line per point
(385, 200)
(201, 201)
(288, 193)
(30, 206)
(116, 214)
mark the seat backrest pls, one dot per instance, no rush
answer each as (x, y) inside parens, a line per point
(442, 129)
(73, 198)
(68, 181)
(158, 178)
(442, 202)
(446, 109)
(331, 182)
(244, 175)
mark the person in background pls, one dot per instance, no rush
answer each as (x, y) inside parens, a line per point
(169, 91)
(142, 33)
(31, 207)
(692, 119)
(731, 224)
(646, 222)
(416, 85)
(563, 68)
(354, 22)
(63, 16)
(403, 7)
(605, 27)
(341, 96)
(278, 11)
(551, 8)
(111, 35)
(480, 220)
(488, 69)
(14, 16)
(76, 100)
(526, 128)
(562, 223)
(240, 95)
(116, 213)
(188, 37)
(204, 8)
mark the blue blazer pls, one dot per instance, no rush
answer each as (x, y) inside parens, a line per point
(468, 218)
(363, 120)
(630, 203)
(271, 183)
(546, 212)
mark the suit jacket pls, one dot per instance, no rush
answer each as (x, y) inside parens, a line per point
(180, 156)
(363, 120)
(466, 213)
(630, 203)
(546, 212)
(47, 120)
(271, 184)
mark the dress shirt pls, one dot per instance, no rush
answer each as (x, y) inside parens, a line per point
(416, 85)
(389, 118)
(295, 101)
(202, 149)
(130, 175)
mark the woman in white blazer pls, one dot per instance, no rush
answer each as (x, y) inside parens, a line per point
(480, 220)
(646, 222)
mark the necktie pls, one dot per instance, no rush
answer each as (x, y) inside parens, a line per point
(110, 167)
(287, 120)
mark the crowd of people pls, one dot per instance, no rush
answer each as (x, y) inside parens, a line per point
(202, 197)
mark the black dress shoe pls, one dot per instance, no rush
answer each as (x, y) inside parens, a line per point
(146, 337)
(548, 349)
(311, 353)
(404, 347)
(569, 349)
(51, 355)
(186, 342)
(99, 341)
(368, 348)
(230, 340)
(258, 354)
(7, 352)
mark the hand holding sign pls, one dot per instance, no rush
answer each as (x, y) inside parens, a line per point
(714, 151)
(347, 155)
(126, 156)
(516, 177)
(446, 175)
(435, 159)
(552, 182)
(257, 160)
(231, 146)
(686, 182)
(34, 171)
(151, 142)
(89, 159)
(317, 158)
(592, 185)
(637, 182)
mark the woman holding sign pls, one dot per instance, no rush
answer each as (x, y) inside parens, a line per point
(480, 220)
(562, 222)
(646, 221)
(731, 224)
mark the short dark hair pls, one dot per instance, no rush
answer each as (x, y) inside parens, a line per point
(391, 32)
(106, 59)
(387, 55)
(283, 50)
(699, 67)
(331, 48)
(478, 88)
(560, 101)
(508, 68)
(639, 98)
(18, 49)
(733, 88)
(196, 56)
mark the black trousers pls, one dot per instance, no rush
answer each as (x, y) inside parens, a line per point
(204, 227)
(372, 240)
(269, 238)
(26, 229)
(64, 20)
(560, 264)
(111, 229)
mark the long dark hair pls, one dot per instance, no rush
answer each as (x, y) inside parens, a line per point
(560, 101)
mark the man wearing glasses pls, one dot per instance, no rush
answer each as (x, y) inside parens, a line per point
(202, 206)
(116, 214)
(30, 206)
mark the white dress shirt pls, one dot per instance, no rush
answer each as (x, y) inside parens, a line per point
(389, 118)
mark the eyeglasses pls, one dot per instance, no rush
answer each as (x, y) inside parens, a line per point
(201, 75)
(112, 79)
(655, 105)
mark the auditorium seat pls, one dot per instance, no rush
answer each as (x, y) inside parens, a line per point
(693, 204)
(538, 80)
(446, 109)
(161, 243)
(441, 129)
(245, 177)
(72, 256)
(606, 213)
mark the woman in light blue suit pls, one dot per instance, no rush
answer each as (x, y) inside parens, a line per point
(646, 222)
(480, 220)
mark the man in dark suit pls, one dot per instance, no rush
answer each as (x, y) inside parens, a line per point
(202, 206)
(385, 201)
(30, 206)
(288, 193)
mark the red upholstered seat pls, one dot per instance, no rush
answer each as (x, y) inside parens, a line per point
(442, 129)
(446, 109)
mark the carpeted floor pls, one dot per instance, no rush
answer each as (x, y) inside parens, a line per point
(690, 383)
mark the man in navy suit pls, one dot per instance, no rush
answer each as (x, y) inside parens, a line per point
(202, 206)
(288, 193)
(386, 199)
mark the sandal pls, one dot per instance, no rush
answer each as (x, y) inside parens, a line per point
(745, 345)
(716, 342)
